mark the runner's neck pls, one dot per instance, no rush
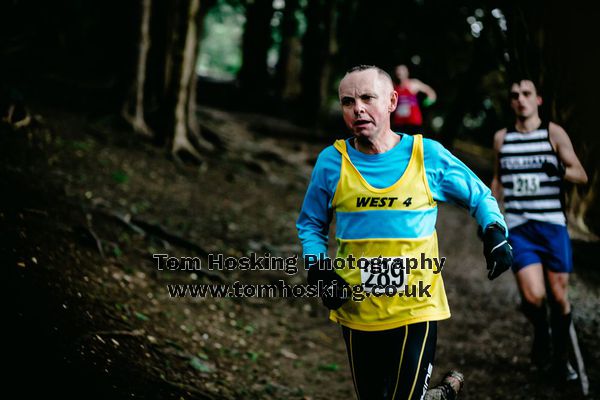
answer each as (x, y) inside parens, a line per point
(381, 145)
(529, 124)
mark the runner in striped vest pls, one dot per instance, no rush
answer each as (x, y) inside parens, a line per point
(529, 192)
(533, 160)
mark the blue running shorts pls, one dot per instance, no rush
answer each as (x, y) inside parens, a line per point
(541, 242)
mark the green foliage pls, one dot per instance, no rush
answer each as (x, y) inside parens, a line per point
(120, 176)
(140, 207)
(141, 316)
(82, 145)
(253, 356)
(220, 50)
(329, 367)
(117, 251)
(198, 365)
(249, 329)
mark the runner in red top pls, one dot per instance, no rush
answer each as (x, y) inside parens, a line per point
(407, 117)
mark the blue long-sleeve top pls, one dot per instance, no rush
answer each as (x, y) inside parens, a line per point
(450, 180)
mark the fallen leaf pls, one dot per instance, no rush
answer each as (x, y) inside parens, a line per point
(329, 367)
(141, 316)
(198, 365)
(288, 354)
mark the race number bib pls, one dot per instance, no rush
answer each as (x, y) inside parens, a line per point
(526, 184)
(384, 272)
(403, 110)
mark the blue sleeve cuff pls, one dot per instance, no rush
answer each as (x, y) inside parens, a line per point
(318, 251)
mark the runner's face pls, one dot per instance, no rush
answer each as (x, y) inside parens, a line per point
(524, 99)
(401, 72)
(367, 101)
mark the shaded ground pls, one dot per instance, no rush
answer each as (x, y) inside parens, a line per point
(103, 326)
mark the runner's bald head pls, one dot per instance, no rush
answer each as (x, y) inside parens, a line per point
(383, 76)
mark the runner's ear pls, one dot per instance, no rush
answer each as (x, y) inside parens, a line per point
(393, 101)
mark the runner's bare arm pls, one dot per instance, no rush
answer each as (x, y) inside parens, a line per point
(574, 171)
(419, 86)
(496, 184)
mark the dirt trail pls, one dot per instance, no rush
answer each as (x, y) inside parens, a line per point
(83, 324)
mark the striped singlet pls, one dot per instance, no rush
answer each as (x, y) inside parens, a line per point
(529, 193)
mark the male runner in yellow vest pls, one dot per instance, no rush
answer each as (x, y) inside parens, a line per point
(383, 188)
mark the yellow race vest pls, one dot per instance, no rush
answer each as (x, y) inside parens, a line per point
(398, 221)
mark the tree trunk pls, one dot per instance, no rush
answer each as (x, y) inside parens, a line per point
(169, 66)
(570, 87)
(330, 50)
(317, 44)
(192, 116)
(133, 107)
(541, 47)
(287, 74)
(182, 85)
(256, 41)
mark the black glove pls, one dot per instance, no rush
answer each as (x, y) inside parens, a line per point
(553, 170)
(497, 251)
(336, 289)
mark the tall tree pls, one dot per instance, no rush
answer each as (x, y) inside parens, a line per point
(318, 44)
(287, 73)
(181, 92)
(256, 42)
(133, 107)
(177, 45)
(541, 48)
